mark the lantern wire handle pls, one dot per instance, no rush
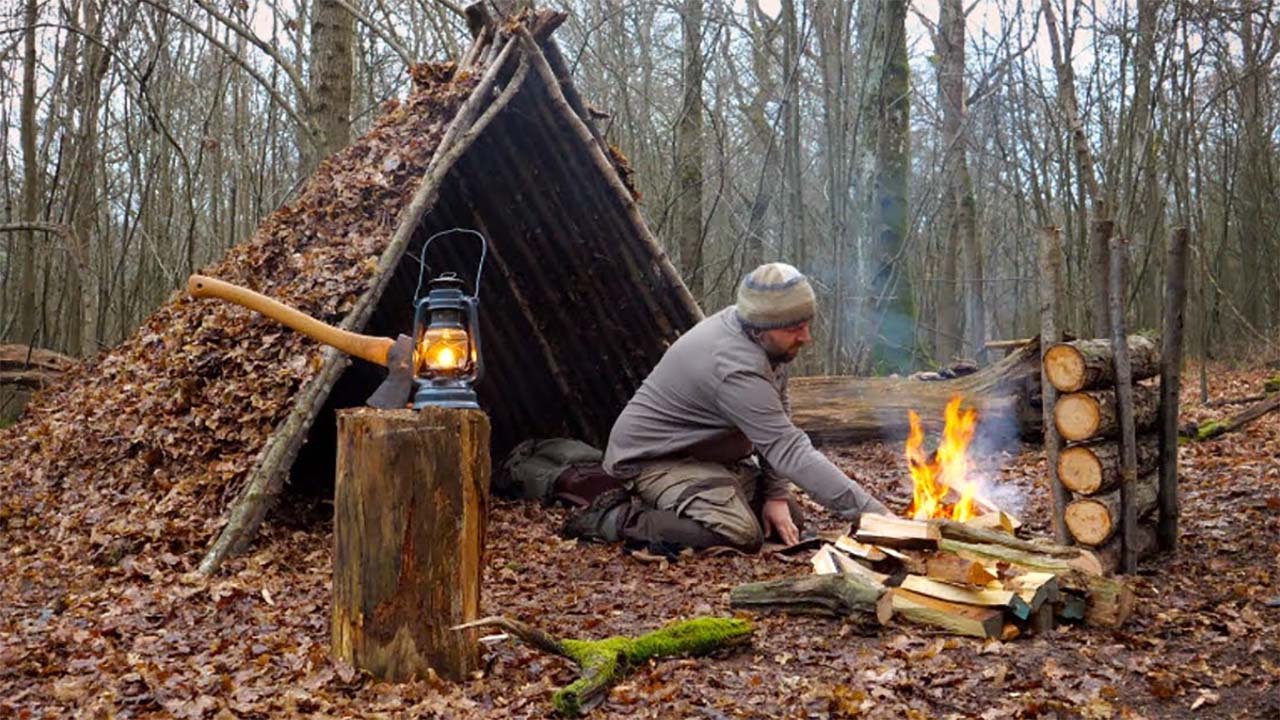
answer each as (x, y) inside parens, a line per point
(422, 258)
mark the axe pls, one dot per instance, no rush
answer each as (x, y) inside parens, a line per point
(395, 355)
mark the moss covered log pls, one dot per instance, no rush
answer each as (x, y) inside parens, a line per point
(604, 662)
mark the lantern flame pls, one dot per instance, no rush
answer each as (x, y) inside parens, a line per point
(940, 479)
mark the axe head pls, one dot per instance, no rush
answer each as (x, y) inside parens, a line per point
(394, 392)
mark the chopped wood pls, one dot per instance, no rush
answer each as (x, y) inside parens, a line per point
(1088, 364)
(852, 547)
(1110, 601)
(952, 530)
(1095, 414)
(823, 562)
(1094, 520)
(832, 595)
(996, 520)
(846, 565)
(963, 619)
(955, 569)
(1042, 619)
(1071, 606)
(1008, 599)
(886, 530)
(1010, 631)
(1095, 467)
(1036, 588)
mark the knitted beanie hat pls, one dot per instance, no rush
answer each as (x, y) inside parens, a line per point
(775, 295)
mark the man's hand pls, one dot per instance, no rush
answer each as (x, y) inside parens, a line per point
(777, 516)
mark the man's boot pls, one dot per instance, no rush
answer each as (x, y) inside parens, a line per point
(600, 521)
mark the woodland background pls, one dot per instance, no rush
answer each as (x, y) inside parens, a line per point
(905, 154)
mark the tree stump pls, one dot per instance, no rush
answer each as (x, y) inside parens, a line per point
(410, 502)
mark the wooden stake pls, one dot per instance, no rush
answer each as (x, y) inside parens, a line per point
(411, 492)
(1124, 402)
(1050, 289)
(1175, 294)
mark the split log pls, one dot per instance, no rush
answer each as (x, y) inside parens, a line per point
(1003, 599)
(1094, 520)
(845, 565)
(410, 496)
(955, 569)
(1211, 429)
(849, 596)
(1095, 414)
(1109, 601)
(1089, 364)
(870, 553)
(851, 409)
(963, 619)
(1095, 468)
(1144, 545)
(963, 532)
(1036, 588)
(896, 532)
(604, 662)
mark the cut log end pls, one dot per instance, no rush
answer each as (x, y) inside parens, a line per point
(1080, 470)
(1064, 365)
(1090, 521)
(1077, 417)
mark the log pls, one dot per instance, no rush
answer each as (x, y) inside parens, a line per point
(844, 409)
(1036, 589)
(852, 547)
(604, 662)
(1095, 468)
(1144, 545)
(1211, 429)
(896, 532)
(1004, 599)
(1094, 520)
(410, 497)
(833, 595)
(1109, 601)
(963, 619)
(846, 565)
(31, 368)
(955, 569)
(963, 532)
(1094, 413)
(1124, 396)
(1088, 364)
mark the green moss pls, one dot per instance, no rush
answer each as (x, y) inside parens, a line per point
(1271, 384)
(6, 423)
(1211, 429)
(604, 661)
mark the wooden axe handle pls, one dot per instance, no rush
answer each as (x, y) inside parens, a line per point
(367, 347)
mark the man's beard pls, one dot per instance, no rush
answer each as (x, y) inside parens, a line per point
(782, 357)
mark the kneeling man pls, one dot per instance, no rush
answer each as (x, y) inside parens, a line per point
(706, 448)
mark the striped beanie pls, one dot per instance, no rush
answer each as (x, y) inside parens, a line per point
(775, 295)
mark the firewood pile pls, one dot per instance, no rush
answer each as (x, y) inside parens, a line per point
(955, 577)
(1090, 464)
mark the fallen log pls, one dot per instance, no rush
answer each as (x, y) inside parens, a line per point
(838, 595)
(31, 368)
(1095, 414)
(1089, 364)
(603, 662)
(1094, 520)
(963, 619)
(845, 409)
(1109, 601)
(1095, 468)
(1211, 429)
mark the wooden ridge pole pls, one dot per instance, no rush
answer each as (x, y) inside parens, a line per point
(1050, 291)
(1175, 301)
(1124, 402)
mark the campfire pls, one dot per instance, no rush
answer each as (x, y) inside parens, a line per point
(943, 486)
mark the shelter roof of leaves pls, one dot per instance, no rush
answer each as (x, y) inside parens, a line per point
(162, 439)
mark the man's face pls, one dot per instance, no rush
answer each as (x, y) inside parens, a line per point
(783, 344)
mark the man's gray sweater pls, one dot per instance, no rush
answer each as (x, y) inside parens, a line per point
(716, 393)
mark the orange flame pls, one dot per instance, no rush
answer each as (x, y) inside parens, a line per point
(938, 478)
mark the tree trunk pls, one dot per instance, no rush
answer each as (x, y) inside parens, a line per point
(893, 301)
(1094, 520)
(1095, 468)
(30, 178)
(792, 160)
(1119, 282)
(689, 152)
(1175, 302)
(332, 65)
(410, 500)
(1094, 413)
(1088, 364)
(1050, 299)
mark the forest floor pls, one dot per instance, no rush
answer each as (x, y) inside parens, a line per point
(145, 637)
